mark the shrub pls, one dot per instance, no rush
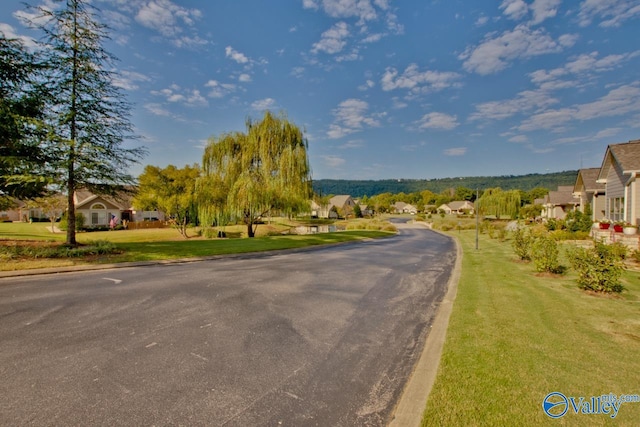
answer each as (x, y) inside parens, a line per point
(522, 243)
(544, 253)
(578, 221)
(619, 250)
(599, 268)
(80, 221)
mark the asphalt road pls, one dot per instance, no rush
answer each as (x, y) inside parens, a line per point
(322, 337)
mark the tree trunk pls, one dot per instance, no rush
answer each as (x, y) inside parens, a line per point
(250, 231)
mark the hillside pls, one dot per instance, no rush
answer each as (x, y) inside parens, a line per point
(359, 188)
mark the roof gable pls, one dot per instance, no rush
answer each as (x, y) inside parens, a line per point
(587, 181)
(626, 155)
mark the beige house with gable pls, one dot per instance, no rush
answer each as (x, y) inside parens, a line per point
(619, 172)
(590, 192)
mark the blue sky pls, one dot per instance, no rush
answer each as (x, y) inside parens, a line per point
(383, 88)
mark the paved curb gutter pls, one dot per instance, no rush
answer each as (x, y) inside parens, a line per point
(413, 400)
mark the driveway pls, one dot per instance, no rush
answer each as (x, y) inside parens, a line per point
(318, 337)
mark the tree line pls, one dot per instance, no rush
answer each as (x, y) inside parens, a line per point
(395, 186)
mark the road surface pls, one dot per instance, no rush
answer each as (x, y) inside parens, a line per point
(319, 337)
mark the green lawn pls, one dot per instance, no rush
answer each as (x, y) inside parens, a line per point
(514, 336)
(158, 244)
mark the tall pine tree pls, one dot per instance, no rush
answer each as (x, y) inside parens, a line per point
(21, 109)
(88, 115)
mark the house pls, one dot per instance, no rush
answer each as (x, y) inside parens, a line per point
(556, 204)
(402, 207)
(590, 192)
(366, 210)
(619, 172)
(22, 211)
(99, 209)
(338, 205)
(457, 207)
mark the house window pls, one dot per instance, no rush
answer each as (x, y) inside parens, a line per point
(616, 208)
(98, 214)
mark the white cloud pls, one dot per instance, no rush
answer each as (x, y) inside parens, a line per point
(618, 102)
(333, 161)
(240, 58)
(263, 104)
(519, 138)
(544, 9)
(166, 17)
(361, 9)
(417, 81)
(438, 121)
(458, 151)
(514, 9)
(187, 97)
(29, 18)
(582, 65)
(128, 80)
(495, 52)
(353, 144)
(244, 78)
(333, 40)
(525, 101)
(157, 109)
(351, 116)
(541, 9)
(612, 13)
(481, 21)
(10, 33)
(219, 90)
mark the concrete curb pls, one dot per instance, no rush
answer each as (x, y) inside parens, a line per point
(413, 400)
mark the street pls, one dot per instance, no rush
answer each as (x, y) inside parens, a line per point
(321, 337)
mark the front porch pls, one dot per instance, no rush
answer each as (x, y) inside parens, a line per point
(632, 241)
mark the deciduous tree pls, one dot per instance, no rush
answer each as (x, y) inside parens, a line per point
(249, 175)
(170, 190)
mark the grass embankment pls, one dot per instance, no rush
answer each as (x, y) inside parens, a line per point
(514, 336)
(159, 244)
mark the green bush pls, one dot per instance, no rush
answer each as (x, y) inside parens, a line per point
(569, 235)
(545, 255)
(599, 268)
(578, 221)
(522, 243)
(80, 221)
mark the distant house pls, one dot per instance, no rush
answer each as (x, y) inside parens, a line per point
(341, 204)
(402, 207)
(457, 207)
(590, 192)
(366, 210)
(556, 204)
(619, 172)
(21, 211)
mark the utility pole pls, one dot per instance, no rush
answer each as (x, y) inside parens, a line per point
(477, 216)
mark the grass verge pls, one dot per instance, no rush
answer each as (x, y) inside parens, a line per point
(158, 244)
(514, 336)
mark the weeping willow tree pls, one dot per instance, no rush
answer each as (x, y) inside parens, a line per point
(498, 203)
(250, 175)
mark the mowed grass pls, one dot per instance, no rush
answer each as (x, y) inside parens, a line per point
(514, 336)
(160, 244)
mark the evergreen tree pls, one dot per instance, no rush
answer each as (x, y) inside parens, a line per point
(21, 158)
(87, 115)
